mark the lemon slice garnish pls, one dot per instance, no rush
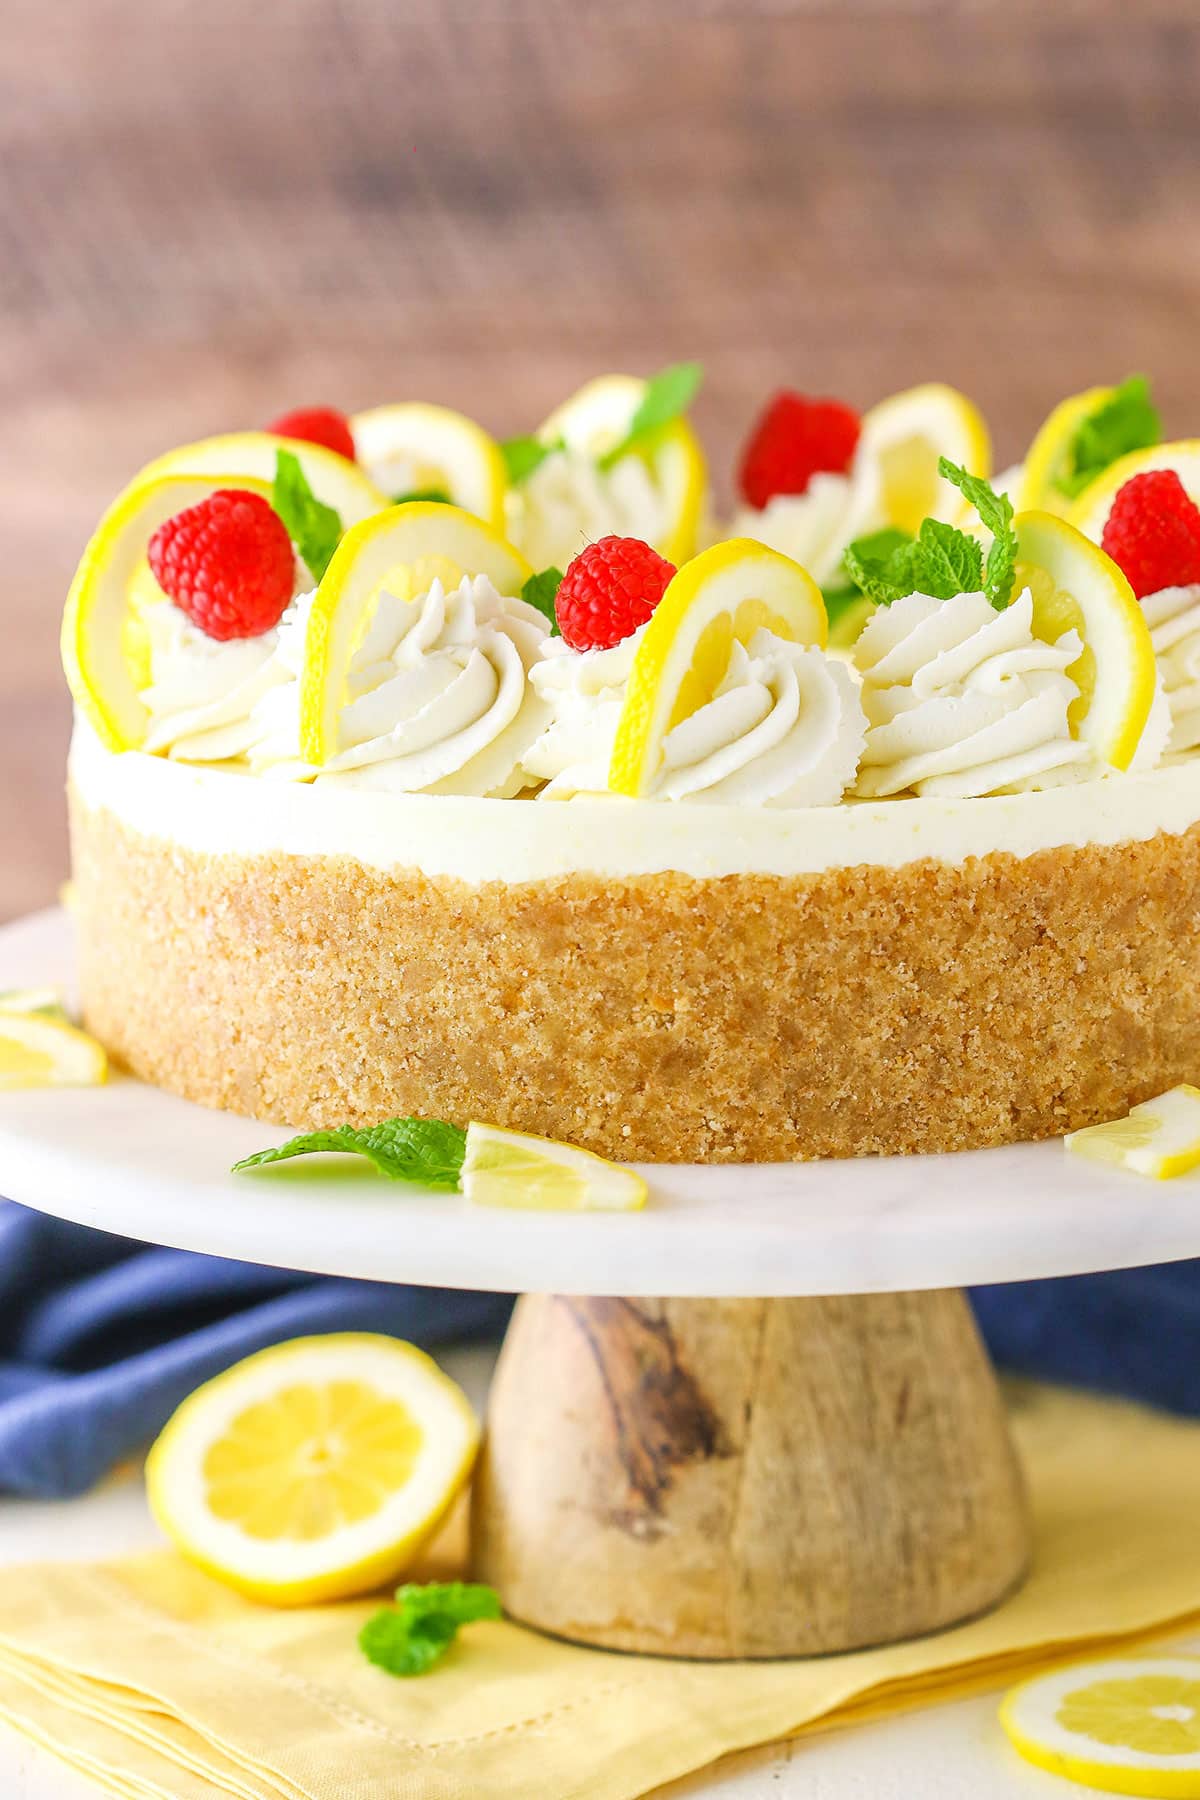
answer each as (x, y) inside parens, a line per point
(1128, 1725)
(1160, 1137)
(1090, 511)
(723, 595)
(237, 454)
(33, 1000)
(515, 1169)
(314, 1469)
(1075, 585)
(1046, 459)
(594, 421)
(101, 650)
(414, 446)
(38, 1048)
(906, 434)
(400, 548)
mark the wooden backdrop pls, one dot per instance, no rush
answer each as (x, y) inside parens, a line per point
(211, 210)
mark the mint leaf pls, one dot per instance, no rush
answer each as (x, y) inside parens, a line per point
(426, 1150)
(410, 1638)
(1127, 420)
(880, 564)
(313, 527)
(667, 395)
(945, 561)
(522, 455)
(996, 514)
(438, 494)
(541, 591)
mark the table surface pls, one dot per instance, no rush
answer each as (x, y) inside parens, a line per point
(939, 1753)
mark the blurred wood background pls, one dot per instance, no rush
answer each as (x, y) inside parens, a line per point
(210, 212)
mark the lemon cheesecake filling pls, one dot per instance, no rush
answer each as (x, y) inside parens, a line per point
(1173, 615)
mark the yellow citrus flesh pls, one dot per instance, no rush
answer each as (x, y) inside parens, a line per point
(431, 447)
(516, 1169)
(1159, 1138)
(906, 435)
(40, 1049)
(102, 655)
(1046, 459)
(1128, 1725)
(315, 1469)
(402, 548)
(725, 594)
(1076, 586)
(334, 479)
(1089, 512)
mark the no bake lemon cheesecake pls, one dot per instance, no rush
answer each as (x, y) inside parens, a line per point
(376, 812)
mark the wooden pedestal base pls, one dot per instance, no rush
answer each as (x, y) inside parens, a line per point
(747, 1478)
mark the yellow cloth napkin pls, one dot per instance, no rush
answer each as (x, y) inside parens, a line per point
(160, 1683)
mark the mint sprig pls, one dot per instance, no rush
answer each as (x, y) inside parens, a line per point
(411, 1637)
(941, 560)
(313, 527)
(667, 395)
(426, 1150)
(541, 590)
(522, 455)
(1127, 420)
(995, 513)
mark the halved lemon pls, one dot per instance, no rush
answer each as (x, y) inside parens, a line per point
(1127, 1725)
(906, 435)
(1046, 460)
(516, 1169)
(38, 1048)
(1090, 511)
(405, 546)
(593, 422)
(1160, 1137)
(722, 595)
(412, 446)
(1075, 585)
(334, 479)
(315, 1469)
(101, 652)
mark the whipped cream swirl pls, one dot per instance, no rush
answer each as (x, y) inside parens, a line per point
(814, 527)
(1173, 615)
(203, 694)
(963, 700)
(784, 728)
(569, 501)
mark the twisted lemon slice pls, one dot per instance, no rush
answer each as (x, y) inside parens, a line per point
(412, 447)
(240, 454)
(315, 1469)
(1129, 1725)
(1076, 586)
(1090, 511)
(724, 594)
(906, 434)
(1160, 1137)
(404, 547)
(1047, 457)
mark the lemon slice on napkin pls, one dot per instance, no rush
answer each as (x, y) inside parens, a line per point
(1127, 1726)
(314, 1469)
(516, 1169)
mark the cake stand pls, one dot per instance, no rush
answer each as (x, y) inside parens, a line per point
(674, 1463)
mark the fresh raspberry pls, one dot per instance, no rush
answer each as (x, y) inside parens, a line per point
(227, 563)
(794, 439)
(1153, 532)
(610, 589)
(317, 425)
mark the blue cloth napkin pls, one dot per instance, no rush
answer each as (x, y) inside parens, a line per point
(101, 1337)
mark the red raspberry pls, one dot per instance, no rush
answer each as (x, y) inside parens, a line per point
(610, 589)
(1153, 532)
(227, 563)
(317, 425)
(794, 439)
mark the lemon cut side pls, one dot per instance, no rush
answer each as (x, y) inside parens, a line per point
(315, 1469)
(39, 1048)
(1127, 1726)
(516, 1169)
(1159, 1138)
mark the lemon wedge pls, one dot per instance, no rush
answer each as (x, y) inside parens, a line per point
(906, 434)
(406, 547)
(1129, 1725)
(334, 479)
(1046, 459)
(39, 1048)
(723, 595)
(32, 1000)
(315, 1469)
(412, 446)
(591, 423)
(1090, 511)
(1075, 585)
(1159, 1138)
(101, 652)
(515, 1169)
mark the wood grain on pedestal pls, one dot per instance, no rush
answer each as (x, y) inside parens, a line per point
(747, 1478)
